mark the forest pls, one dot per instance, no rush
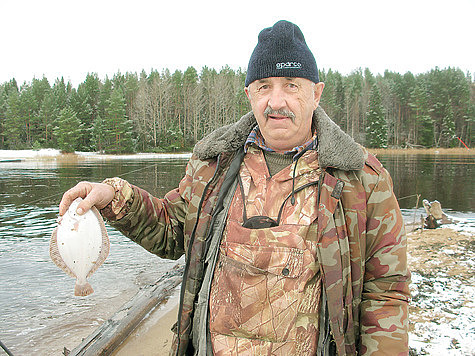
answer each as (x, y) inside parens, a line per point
(164, 111)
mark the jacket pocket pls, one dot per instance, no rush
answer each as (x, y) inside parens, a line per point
(256, 291)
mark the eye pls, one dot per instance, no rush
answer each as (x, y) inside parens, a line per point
(263, 87)
(292, 86)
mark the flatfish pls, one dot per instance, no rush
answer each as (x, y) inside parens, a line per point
(79, 245)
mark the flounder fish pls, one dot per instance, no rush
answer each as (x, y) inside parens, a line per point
(79, 245)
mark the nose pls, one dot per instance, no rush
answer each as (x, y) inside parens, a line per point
(277, 98)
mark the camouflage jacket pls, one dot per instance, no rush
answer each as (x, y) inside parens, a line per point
(361, 240)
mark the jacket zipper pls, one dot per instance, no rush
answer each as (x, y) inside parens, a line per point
(187, 264)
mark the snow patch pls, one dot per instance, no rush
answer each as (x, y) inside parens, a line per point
(442, 317)
(52, 153)
(14, 154)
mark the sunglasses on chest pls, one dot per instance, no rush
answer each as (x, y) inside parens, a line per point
(262, 221)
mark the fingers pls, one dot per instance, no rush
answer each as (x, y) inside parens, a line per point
(93, 194)
(80, 190)
(93, 198)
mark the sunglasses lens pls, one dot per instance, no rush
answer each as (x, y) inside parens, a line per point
(259, 222)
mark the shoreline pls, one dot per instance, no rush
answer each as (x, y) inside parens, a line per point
(153, 337)
(433, 151)
(54, 154)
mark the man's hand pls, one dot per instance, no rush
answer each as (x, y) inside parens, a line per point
(93, 194)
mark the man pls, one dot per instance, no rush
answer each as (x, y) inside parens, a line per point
(293, 238)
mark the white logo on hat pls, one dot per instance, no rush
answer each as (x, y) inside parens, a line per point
(288, 65)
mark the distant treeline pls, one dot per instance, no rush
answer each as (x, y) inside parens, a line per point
(164, 111)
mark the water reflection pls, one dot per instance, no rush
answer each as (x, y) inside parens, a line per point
(446, 178)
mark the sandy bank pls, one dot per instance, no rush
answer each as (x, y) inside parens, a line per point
(154, 336)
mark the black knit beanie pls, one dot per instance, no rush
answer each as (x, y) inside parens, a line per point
(281, 51)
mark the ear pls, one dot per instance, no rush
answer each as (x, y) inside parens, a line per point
(248, 94)
(317, 92)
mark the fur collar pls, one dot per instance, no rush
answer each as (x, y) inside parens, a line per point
(335, 148)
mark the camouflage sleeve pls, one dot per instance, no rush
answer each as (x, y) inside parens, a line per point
(155, 224)
(384, 306)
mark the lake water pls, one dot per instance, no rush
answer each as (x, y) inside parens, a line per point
(40, 314)
(446, 178)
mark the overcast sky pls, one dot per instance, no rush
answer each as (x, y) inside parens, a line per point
(70, 38)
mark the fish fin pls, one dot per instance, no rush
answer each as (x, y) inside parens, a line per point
(56, 256)
(105, 245)
(83, 290)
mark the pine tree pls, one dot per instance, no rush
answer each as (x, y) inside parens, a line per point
(61, 94)
(354, 87)
(448, 126)
(27, 109)
(85, 101)
(104, 98)
(46, 117)
(376, 126)
(99, 133)
(14, 129)
(328, 99)
(68, 130)
(423, 124)
(119, 128)
(5, 90)
(40, 117)
(131, 88)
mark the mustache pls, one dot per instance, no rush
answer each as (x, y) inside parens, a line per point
(269, 111)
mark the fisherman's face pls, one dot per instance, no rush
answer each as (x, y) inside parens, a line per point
(283, 108)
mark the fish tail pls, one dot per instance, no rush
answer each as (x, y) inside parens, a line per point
(83, 289)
